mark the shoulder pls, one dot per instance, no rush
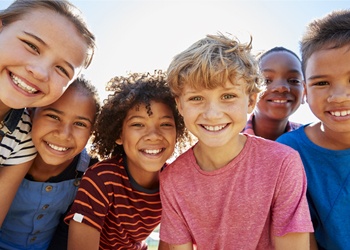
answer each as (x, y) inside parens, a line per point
(107, 169)
(292, 136)
(180, 164)
(267, 149)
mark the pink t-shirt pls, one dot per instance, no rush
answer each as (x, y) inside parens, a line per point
(260, 193)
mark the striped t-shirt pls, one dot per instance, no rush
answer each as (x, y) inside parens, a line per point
(109, 200)
(16, 144)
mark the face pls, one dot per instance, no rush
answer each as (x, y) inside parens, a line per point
(216, 116)
(61, 130)
(284, 86)
(40, 55)
(327, 76)
(148, 141)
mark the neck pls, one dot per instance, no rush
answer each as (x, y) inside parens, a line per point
(218, 156)
(42, 171)
(327, 138)
(268, 128)
(3, 110)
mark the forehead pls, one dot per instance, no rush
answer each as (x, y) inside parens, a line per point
(59, 34)
(156, 108)
(74, 102)
(237, 84)
(280, 57)
(328, 61)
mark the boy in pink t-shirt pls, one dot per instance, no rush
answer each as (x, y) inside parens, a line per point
(230, 190)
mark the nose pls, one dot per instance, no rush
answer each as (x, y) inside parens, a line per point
(280, 86)
(63, 132)
(339, 93)
(212, 111)
(39, 70)
(153, 134)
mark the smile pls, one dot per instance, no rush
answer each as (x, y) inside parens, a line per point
(214, 128)
(279, 101)
(340, 113)
(152, 151)
(22, 85)
(57, 148)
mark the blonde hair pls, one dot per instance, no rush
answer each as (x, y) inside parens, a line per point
(211, 62)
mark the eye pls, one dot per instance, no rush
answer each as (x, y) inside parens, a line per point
(321, 83)
(167, 124)
(267, 81)
(228, 96)
(137, 125)
(63, 71)
(80, 124)
(294, 81)
(55, 117)
(32, 46)
(195, 98)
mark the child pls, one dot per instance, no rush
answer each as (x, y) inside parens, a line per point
(43, 46)
(324, 146)
(229, 191)
(283, 94)
(118, 204)
(60, 133)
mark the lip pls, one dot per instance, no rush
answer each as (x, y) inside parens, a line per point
(57, 149)
(154, 153)
(340, 113)
(22, 85)
(214, 128)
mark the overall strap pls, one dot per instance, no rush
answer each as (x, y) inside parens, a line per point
(84, 161)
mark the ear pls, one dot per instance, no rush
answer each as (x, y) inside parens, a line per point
(304, 98)
(1, 26)
(178, 104)
(119, 141)
(252, 102)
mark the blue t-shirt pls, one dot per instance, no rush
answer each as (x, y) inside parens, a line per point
(328, 192)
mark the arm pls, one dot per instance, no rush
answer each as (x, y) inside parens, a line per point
(82, 237)
(10, 179)
(313, 243)
(292, 241)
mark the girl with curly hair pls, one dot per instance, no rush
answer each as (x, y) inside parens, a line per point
(118, 202)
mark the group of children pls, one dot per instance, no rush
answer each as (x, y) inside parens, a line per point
(75, 175)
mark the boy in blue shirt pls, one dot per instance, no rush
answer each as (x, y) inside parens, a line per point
(324, 146)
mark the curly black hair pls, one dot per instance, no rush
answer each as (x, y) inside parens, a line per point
(129, 92)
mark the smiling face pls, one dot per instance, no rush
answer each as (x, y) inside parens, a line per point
(148, 140)
(327, 76)
(40, 54)
(61, 130)
(216, 116)
(284, 86)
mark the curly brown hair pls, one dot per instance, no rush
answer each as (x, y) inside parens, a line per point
(129, 92)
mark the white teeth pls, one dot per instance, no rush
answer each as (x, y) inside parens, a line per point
(22, 85)
(279, 101)
(61, 149)
(214, 128)
(341, 113)
(153, 151)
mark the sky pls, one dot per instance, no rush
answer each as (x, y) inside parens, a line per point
(144, 35)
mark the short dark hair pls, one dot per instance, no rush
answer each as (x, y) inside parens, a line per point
(329, 32)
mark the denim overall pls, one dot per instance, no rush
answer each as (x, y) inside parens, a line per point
(36, 211)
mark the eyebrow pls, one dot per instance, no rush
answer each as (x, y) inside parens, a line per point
(289, 71)
(62, 113)
(143, 117)
(316, 77)
(38, 39)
